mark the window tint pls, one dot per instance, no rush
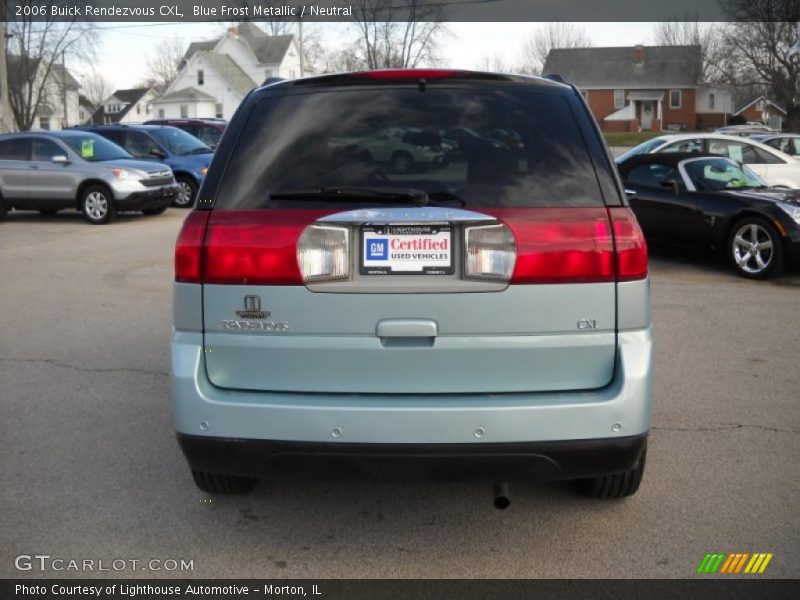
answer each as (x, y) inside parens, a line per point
(719, 174)
(95, 148)
(684, 146)
(508, 147)
(45, 150)
(209, 135)
(140, 145)
(14, 149)
(653, 174)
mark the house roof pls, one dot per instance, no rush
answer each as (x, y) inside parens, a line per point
(766, 100)
(84, 101)
(269, 49)
(62, 74)
(188, 93)
(129, 96)
(229, 71)
(663, 66)
(205, 46)
(24, 67)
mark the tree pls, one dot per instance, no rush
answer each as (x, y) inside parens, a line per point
(547, 37)
(711, 39)
(96, 87)
(398, 33)
(33, 51)
(758, 40)
(164, 64)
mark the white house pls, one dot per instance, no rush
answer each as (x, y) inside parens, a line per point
(58, 104)
(126, 106)
(216, 75)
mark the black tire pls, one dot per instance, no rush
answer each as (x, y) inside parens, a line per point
(154, 211)
(215, 483)
(47, 212)
(402, 162)
(3, 210)
(97, 205)
(759, 231)
(186, 193)
(618, 485)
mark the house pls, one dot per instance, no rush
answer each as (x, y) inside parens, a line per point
(216, 75)
(58, 89)
(85, 109)
(765, 111)
(126, 106)
(644, 88)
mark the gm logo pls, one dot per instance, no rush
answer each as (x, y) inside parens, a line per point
(377, 249)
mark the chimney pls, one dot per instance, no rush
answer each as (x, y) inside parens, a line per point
(638, 54)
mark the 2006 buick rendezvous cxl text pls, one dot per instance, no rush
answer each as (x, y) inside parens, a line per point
(342, 306)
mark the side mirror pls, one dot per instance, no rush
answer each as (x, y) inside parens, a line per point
(157, 153)
(671, 183)
(60, 159)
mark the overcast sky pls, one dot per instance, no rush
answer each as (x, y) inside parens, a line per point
(124, 47)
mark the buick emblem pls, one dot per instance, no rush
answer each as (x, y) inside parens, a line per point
(252, 309)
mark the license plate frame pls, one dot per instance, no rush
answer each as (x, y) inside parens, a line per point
(378, 259)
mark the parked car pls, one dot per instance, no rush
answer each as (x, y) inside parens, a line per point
(187, 156)
(788, 143)
(405, 150)
(50, 171)
(207, 131)
(714, 204)
(773, 166)
(485, 320)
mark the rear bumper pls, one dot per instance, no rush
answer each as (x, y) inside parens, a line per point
(543, 461)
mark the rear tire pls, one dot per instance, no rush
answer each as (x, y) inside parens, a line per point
(187, 190)
(215, 483)
(618, 485)
(3, 210)
(97, 205)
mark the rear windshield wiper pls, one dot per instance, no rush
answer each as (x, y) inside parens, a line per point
(350, 194)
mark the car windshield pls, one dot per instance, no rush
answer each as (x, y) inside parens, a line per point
(643, 148)
(178, 141)
(94, 148)
(457, 147)
(714, 174)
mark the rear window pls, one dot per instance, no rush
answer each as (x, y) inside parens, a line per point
(475, 147)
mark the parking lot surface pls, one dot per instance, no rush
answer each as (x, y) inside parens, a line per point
(91, 468)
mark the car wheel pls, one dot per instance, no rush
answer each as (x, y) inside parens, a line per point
(187, 188)
(402, 163)
(215, 483)
(97, 205)
(755, 248)
(3, 209)
(154, 211)
(618, 485)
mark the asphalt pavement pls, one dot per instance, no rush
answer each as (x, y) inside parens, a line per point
(90, 469)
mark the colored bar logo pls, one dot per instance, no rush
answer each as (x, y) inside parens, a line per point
(734, 563)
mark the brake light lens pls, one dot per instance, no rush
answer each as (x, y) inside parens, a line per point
(189, 248)
(631, 246)
(491, 252)
(323, 253)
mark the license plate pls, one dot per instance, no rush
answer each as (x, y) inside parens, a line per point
(406, 250)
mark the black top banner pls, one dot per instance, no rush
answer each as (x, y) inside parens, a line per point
(385, 10)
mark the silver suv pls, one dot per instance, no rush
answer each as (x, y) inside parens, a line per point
(49, 171)
(486, 318)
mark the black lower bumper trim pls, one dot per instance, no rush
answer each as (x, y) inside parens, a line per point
(544, 461)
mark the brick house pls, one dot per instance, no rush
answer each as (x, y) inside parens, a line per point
(765, 111)
(644, 88)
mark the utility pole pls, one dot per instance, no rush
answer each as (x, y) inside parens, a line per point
(64, 121)
(6, 117)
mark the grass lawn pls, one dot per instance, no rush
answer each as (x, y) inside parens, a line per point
(630, 139)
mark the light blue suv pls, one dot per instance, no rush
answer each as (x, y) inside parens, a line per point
(486, 318)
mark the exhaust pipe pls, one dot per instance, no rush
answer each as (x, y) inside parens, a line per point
(501, 498)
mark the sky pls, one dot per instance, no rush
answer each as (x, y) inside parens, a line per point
(123, 48)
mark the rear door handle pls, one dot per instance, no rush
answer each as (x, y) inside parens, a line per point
(406, 328)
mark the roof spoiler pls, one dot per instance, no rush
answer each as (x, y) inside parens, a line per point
(555, 77)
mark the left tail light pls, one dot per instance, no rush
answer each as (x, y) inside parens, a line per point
(189, 248)
(323, 253)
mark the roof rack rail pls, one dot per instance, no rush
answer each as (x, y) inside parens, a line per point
(555, 77)
(271, 80)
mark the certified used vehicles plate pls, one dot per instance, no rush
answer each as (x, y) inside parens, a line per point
(406, 250)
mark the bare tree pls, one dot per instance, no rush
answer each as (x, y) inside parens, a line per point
(494, 63)
(164, 64)
(398, 33)
(709, 36)
(758, 40)
(547, 37)
(96, 87)
(34, 51)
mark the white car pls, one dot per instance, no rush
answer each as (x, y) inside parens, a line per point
(773, 166)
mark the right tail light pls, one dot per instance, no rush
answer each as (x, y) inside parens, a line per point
(491, 252)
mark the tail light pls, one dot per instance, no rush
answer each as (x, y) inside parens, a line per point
(631, 246)
(189, 248)
(491, 252)
(323, 253)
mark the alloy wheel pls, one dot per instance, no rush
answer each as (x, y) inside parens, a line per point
(184, 197)
(753, 248)
(96, 205)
